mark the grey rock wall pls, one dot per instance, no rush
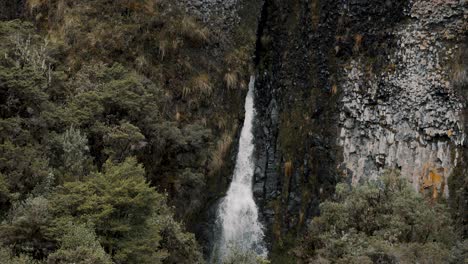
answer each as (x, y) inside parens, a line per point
(349, 89)
(221, 14)
(346, 90)
(408, 116)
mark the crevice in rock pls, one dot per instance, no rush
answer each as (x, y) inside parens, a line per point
(260, 28)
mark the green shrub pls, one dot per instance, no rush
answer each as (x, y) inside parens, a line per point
(382, 220)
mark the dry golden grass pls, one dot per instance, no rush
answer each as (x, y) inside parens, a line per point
(231, 79)
(147, 6)
(237, 62)
(194, 31)
(167, 45)
(162, 48)
(357, 42)
(221, 123)
(141, 63)
(198, 86)
(187, 65)
(219, 154)
(288, 167)
(202, 84)
(186, 91)
(204, 121)
(334, 89)
(33, 4)
(176, 43)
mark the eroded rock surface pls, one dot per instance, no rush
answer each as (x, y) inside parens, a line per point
(220, 13)
(349, 89)
(407, 116)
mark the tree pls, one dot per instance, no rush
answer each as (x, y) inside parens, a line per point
(26, 228)
(7, 257)
(73, 159)
(130, 218)
(79, 245)
(123, 141)
(23, 167)
(4, 193)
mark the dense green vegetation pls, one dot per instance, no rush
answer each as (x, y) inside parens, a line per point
(382, 221)
(106, 137)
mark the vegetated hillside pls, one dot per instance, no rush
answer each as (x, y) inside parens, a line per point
(116, 121)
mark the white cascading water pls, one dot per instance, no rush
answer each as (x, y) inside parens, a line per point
(238, 213)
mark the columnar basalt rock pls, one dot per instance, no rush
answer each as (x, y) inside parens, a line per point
(349, 89)
(296, 132)
(407, 115)
(346, 90)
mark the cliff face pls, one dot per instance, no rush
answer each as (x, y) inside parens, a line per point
(406, 114)
(349, 89)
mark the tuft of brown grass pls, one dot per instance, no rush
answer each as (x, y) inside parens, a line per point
(219, 154)
(221, 123)
(288, 167)
(357, 42)
(315, 11)
(147, 7)
(334, 89)
(231, 79)
(191, 29)
(162, 48)
(33, 4)
(168, 46)
(186, 91)
(202, 84)
(141, 63)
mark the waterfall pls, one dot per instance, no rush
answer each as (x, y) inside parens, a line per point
(238, 213)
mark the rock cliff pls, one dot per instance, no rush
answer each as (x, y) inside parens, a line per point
(349, 89)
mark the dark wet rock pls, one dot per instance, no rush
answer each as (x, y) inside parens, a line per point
(348, 89)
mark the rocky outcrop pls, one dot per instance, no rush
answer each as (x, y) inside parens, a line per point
(349, 89)
(406, 115)
(222, 14)
(297, 114)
